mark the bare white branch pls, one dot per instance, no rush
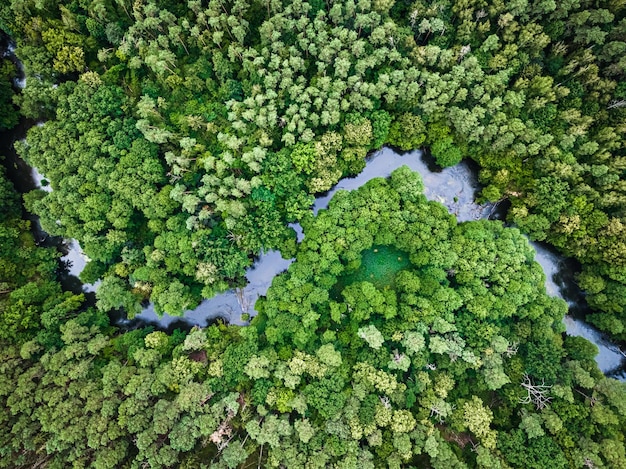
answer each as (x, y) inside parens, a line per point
(537, 393)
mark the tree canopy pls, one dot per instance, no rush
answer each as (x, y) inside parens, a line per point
(181, 139)
(184, 136)
(461, 362)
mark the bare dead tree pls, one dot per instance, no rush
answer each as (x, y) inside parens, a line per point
(235, 238)
(511, 349)
(464, 51)
(222, 436)
(480, 14)
(435, 410)
(440, 413)
(474, 446)
(537, 393)
(616, 103)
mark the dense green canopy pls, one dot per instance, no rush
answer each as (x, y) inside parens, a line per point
(439, 370)
(460, 364)
(180, 139)
(184, 136)
(31, 300)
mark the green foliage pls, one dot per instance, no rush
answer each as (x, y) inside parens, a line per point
(303, 157)
(112, 294)
(423, 342)
(9, 116)
(399, 399)
(31, 301)
(442, 146)
(381, 124)
(407, 132)
(372, 336)
(167, 109)
(533, 453)
(182, 137)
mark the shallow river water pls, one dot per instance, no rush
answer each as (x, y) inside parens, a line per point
(454, 187)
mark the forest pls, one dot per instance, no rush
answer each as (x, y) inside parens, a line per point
(180, 139)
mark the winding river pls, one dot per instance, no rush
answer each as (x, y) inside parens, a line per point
(454, 187)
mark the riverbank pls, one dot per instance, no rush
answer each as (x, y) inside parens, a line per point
(455, 187)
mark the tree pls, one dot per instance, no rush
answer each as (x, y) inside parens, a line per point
(407, 132)
(537, 394)
(372, 336)
(113, 294)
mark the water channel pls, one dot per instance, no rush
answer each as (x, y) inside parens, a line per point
(454, 187)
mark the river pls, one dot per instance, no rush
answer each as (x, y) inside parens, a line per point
(26, 179)
(455, 187)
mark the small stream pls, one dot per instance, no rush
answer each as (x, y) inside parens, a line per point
(560, 281)
(26, 179)
(454, 187)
